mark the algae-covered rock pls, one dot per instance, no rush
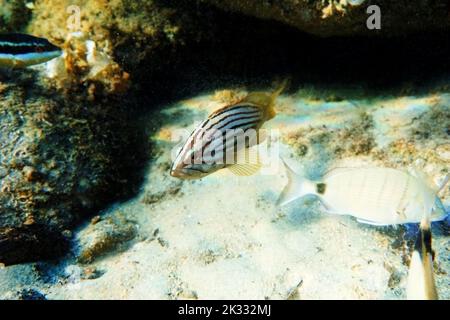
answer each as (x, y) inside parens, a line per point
(65, 131)
(59, 159)
(346, 17)
(132, 31)
(14, 15)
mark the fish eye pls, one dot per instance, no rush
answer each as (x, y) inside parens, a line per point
(38, 49)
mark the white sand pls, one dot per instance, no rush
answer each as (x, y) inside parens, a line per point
(222, 237)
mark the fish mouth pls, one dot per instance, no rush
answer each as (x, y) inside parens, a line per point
(180, 174)
(54, 48)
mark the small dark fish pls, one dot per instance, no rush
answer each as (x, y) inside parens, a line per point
(214, 141)
(23, 50)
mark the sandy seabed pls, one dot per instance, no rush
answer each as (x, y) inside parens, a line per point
(222, 237)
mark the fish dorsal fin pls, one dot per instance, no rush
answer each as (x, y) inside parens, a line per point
(260, 99)
(250, 165)
(425, 178)
(280, 88)
(221, 109)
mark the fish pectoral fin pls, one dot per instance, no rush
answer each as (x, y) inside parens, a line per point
(373, 223)
(248, 162)
(244, 169)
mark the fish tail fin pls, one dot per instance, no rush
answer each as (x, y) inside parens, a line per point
(280, 88)
(296, 187)
(421, 284)
(273, 97)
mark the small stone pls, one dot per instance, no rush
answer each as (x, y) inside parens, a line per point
(30, 173)
(95, 219)
(67, 233)
(443, 151)
(29, 221)
(90, 273)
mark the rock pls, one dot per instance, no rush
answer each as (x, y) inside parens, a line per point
(31, 294)
(90, 273)
(133, 32)
(108, 235)
(66, 128)
(59, 160)
(346, 17)
(443, 151)
(14, 15)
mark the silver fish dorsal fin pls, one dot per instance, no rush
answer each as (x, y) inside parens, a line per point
(426, 179)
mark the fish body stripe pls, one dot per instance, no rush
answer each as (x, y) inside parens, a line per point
(209, 143)
(228, 144)
(217, 138)
(16, 48)
(26, 59)
(243, 123)
(233, 108)
(229, 118)
(423, 243)
(235, 111)
(16, 44)
(320, 188)
(190, 141)
(235, 122)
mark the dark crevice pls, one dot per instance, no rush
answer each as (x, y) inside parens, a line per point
(252, 52)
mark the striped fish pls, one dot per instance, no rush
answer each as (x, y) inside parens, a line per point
(225, 138)
(22, 50)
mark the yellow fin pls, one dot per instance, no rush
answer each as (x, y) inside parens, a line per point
(244, 169)
(266, 100)
(261, 99)
(248, 162)
(279, 90)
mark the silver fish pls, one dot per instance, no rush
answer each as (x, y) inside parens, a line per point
(377, 196)
(225, 136)
(23, 50)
